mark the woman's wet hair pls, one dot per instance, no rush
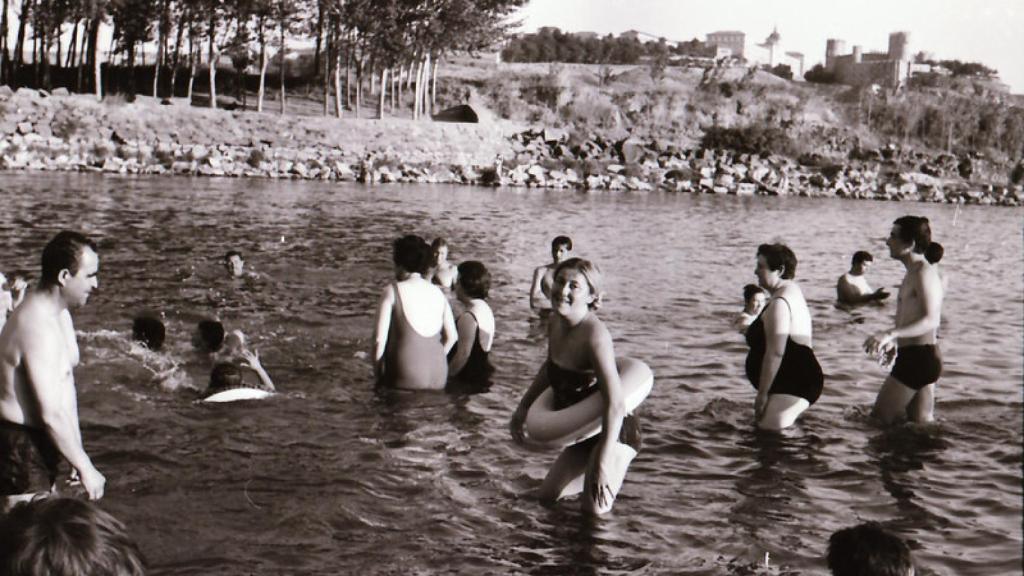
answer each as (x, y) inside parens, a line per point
(212, 334)
(149, 330)
(751, 290)
(66, 537)
(413, 254)
(918, 230)
(591, 272)
(779, 257)
(225, 375)
(474, 279)
(63, 252)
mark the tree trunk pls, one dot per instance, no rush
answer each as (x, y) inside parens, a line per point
(72, 47)
(263, 64)
(19, 43)
(425, 95)
(192, 62)
(94, 55)
(282, 55)
(359, 88)
(327, 75)
(433, 86)
(348, 75)
(319, 39)
(4, 56)
(383, 91)
(418, 97)
(213, 57)
(393, 90)
(337, 84)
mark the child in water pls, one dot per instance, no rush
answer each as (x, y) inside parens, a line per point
(754, 298)
(581, 361)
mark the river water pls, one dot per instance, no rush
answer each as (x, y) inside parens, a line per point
(333, 477)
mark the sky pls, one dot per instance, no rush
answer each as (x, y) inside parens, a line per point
(986, 31)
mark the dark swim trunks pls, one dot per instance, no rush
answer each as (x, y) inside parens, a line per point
(29, 461)
(917, 366)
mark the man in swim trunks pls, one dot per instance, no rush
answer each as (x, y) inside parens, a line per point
(544, 276)
(38, 402)
(853, 288)
(910, 389)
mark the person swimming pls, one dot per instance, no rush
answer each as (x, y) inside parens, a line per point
(853, 287)
(414, 329)
(149, 331)
(543, 276)
(228, 375)
(581, 362)
(468, 360)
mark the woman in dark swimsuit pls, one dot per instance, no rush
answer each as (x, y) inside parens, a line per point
(781, 364)
(468, 361)
(581, 362)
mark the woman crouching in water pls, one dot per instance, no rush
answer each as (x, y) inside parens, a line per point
(581, 362)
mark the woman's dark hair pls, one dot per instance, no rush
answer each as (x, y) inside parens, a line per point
(225, 375)
(750, 290)
(149, 330)
(413, 254)
(212, 333)
(868, 549)
(474, 279)
(934, 252)
(779, 257)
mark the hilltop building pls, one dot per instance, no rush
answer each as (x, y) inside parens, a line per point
(890, 68)
(732, 40)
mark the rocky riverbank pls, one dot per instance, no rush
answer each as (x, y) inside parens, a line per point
(41, 131)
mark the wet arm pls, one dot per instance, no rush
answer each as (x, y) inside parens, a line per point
(381, 327)
(56, 397)
(538, 301)
(776, 329)
(467, 335)
(603, 358)
(449, 335)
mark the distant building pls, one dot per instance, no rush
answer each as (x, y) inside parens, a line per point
(890, 68)
(730, 39)
(586, 35)
(630, 35)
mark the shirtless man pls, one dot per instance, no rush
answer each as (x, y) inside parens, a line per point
(910, 388)
(544, 276)
(38, 402)
(853, 288)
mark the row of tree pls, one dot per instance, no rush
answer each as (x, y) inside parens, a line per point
(550, 44)
(384, 41)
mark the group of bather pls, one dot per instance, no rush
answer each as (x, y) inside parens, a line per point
(419, 343)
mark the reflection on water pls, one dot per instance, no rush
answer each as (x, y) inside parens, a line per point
(336, 476)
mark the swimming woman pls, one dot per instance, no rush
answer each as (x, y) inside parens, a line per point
(415, 329)
(581, 362)
(468, 360)
(781, 364)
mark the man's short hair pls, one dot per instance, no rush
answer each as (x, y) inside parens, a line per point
(750, 290)
(149, 330)
(474, 279)
(868, 550)
(63, 252)
(231, 253)
(66, 537)
(413, 254)
(861, 256)
(561, 241)
(212, 333)
(779, 257)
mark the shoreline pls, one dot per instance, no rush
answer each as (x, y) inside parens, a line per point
(74, 133)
